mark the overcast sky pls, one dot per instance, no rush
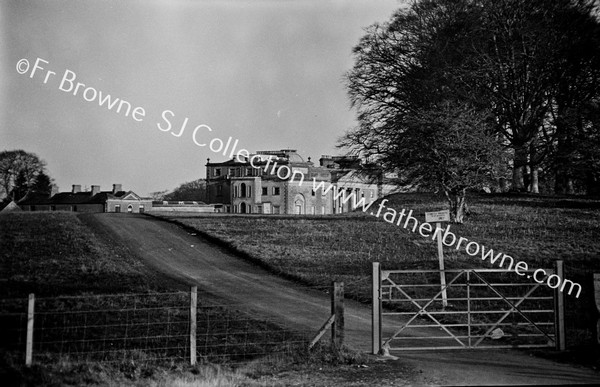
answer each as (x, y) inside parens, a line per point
(266, 73)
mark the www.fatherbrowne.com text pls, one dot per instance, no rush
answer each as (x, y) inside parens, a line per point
(426, 230)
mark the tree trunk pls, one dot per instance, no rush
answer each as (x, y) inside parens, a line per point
(520, 161)
(592, 184)
(563, 183)
(570, 186)
(457, 202)
(534, 161)
(535, 186)
(503, 185)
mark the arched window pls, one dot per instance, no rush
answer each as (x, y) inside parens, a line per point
(130, 208)
(243, 190)
(243, 207)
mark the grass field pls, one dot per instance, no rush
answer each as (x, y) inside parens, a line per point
(55, 254)
(97, 304)
(319, 249)
(61, 253)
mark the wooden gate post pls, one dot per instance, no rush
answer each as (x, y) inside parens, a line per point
(337, 310)
(193, 316)
(559, 309)
(597, 299)
(29, 342)
(376, 308)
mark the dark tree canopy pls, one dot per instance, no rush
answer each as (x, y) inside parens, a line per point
(189, 191)
(449, 149)
(517, 67)
(22, 173)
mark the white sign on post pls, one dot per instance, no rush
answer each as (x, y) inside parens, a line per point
(438, 217)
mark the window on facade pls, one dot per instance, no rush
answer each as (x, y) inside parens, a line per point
(53, 208)
(118, 208)
(217, 172)
(276, 209)
(243, 190)
(265, 191)
(235, 191)
(275, 190)
(313, 193)
(248, 171)
(232, 172)
(141, 209)
(323, 210)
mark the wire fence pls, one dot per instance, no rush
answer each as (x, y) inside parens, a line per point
(150, 327)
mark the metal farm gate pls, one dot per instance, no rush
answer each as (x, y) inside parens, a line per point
(476, 308)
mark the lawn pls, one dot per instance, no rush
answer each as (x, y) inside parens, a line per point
(62, 253)
(103, 317)
(319, 249)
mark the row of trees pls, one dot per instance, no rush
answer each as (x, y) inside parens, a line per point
(458, 94)
(22, 173)
(190, 191)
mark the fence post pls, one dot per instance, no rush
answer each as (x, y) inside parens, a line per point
(29, 342)
(193, 314)
(597, 300)
(337, 309)
(376, 309)
(559, 309)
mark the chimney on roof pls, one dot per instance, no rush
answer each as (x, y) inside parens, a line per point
(76, 188)
(116, 188)
(95, 190)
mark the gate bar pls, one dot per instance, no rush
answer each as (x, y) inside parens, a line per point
(514, 308)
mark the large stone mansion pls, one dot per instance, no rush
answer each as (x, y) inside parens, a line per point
(282, 182)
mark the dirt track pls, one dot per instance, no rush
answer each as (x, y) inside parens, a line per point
(187, 258)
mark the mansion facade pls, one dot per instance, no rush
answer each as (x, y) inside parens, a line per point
(282, 182)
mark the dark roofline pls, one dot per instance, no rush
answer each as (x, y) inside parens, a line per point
(68, 198)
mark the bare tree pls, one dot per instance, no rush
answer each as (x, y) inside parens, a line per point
(451, 148)
(504, 57)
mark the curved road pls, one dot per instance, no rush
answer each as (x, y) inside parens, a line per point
(188, 258)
